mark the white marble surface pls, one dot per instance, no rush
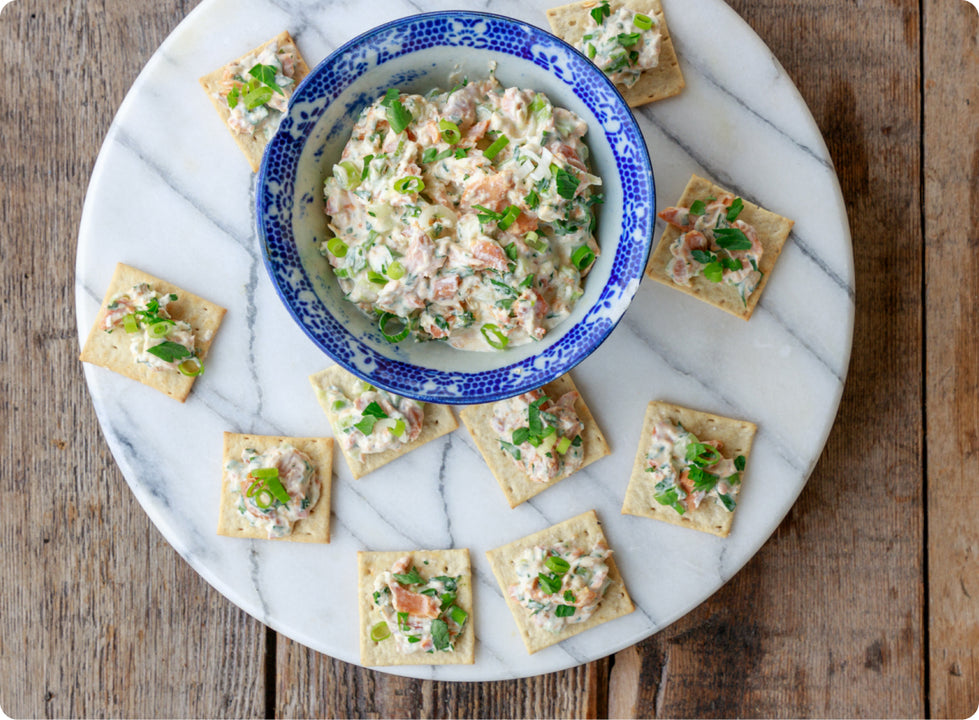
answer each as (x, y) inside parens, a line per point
(171, 194)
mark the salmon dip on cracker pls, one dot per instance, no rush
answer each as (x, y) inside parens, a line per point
(465, 216)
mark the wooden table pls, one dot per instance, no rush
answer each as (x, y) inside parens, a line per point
(865, 602)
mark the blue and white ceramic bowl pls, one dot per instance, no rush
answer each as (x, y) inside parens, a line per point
(416, 54)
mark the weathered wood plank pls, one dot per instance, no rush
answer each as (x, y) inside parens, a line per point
(98, 615)
(310, 684)
(951, 148)
(827, 619)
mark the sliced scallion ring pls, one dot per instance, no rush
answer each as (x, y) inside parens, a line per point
(382, 322)
(159, 330)
(511, 214)
(409, 184)
(129, 323)
(264, 473)
(582, 257)
(643, 22)
(395, 270)
(380, 631)
(347, 174)
(563, 445)
(192, 367)
(264, 499)
(450, 131)
(336, 247)
(494, 336)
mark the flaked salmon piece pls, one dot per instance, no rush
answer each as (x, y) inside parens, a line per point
(488, 254)
(490, 191)
(475, 133)
(445, 287)
(682, 251)
(413, 603)
(678, 218)
(525, 222)
(402, 566)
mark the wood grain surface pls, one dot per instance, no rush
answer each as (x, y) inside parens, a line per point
(865, 602)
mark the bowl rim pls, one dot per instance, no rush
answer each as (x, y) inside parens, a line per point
(520, 382)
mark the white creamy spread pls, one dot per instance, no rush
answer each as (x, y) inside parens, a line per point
(621, 43)
(686, 471)
(256, 90)
(275, 488)
(542, 436)
(156, 340)
(465, 216)
(373, 420)
(561, 585)
(716, 243)
(420, 613)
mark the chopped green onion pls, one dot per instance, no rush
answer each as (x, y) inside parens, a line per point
(396, 270)
(159, 330)
(382, 324)
(540, 105)
(265, 74)
(494, 336)
(520, 435)
(264, 499)
(591, 51)
(376, 277)
(511, 214)
(557, 565)
(511, 251)
(643, 22)
(494, 149)
(130, 323)
(535, 241)
(366, 425)
(192, 367)
(627, 39)
(374, 410)
(399, 428)
(457, 615)
(739, 462)
(549, 583)
(714, 272)
(257, 97)
(264, 473)
(413, 577)
(347, 174)
(600, 12)
(275, 487)
(367, 167)
(449, 131)
(339, 405)
(380, 632)
(562, 445)
(440, 634)
(233, 98)
(409, 184)
(336, 247)
(728, 501)
(582, 257)
(568, 596)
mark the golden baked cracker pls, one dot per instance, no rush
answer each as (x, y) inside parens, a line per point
(584, 529)
(773, 230)
(252, 146)
(439, 421)
(735, 436)
(571, 22)
(111, 349)
(515, 484)
(430, 563)
(313, 529)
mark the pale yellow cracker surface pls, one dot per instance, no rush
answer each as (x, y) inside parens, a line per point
(430, 563)
(773, 230)
(571, 22)
(251, 145)
(584, 530)
(313, 529)
(111, 350)
(516, 485)
(438, 421)
(735, 437)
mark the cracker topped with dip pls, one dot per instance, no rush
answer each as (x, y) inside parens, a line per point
(537, 439)
(251, 94)
(689, 468)
(416, 608)
(628, 40)
(152, 331)
(560, 581)
(718, 247)
(373, 426)
(276, 487)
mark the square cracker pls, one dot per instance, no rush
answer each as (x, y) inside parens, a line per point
(736, 437)
(313, 529)
(111, 350)
(516, 485)
(430, 563)
(252, 146)
(773, 230)
(570, 22)
(584, 529)
(439, 421)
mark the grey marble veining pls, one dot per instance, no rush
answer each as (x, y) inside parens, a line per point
(171, 194)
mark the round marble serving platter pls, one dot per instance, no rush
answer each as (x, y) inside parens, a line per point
(172, 195)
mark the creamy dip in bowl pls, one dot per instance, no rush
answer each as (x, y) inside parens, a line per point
(587, 260)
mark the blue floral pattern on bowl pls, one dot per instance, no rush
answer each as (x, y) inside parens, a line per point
(410, 52)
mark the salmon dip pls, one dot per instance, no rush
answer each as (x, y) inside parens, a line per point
(465, 216)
